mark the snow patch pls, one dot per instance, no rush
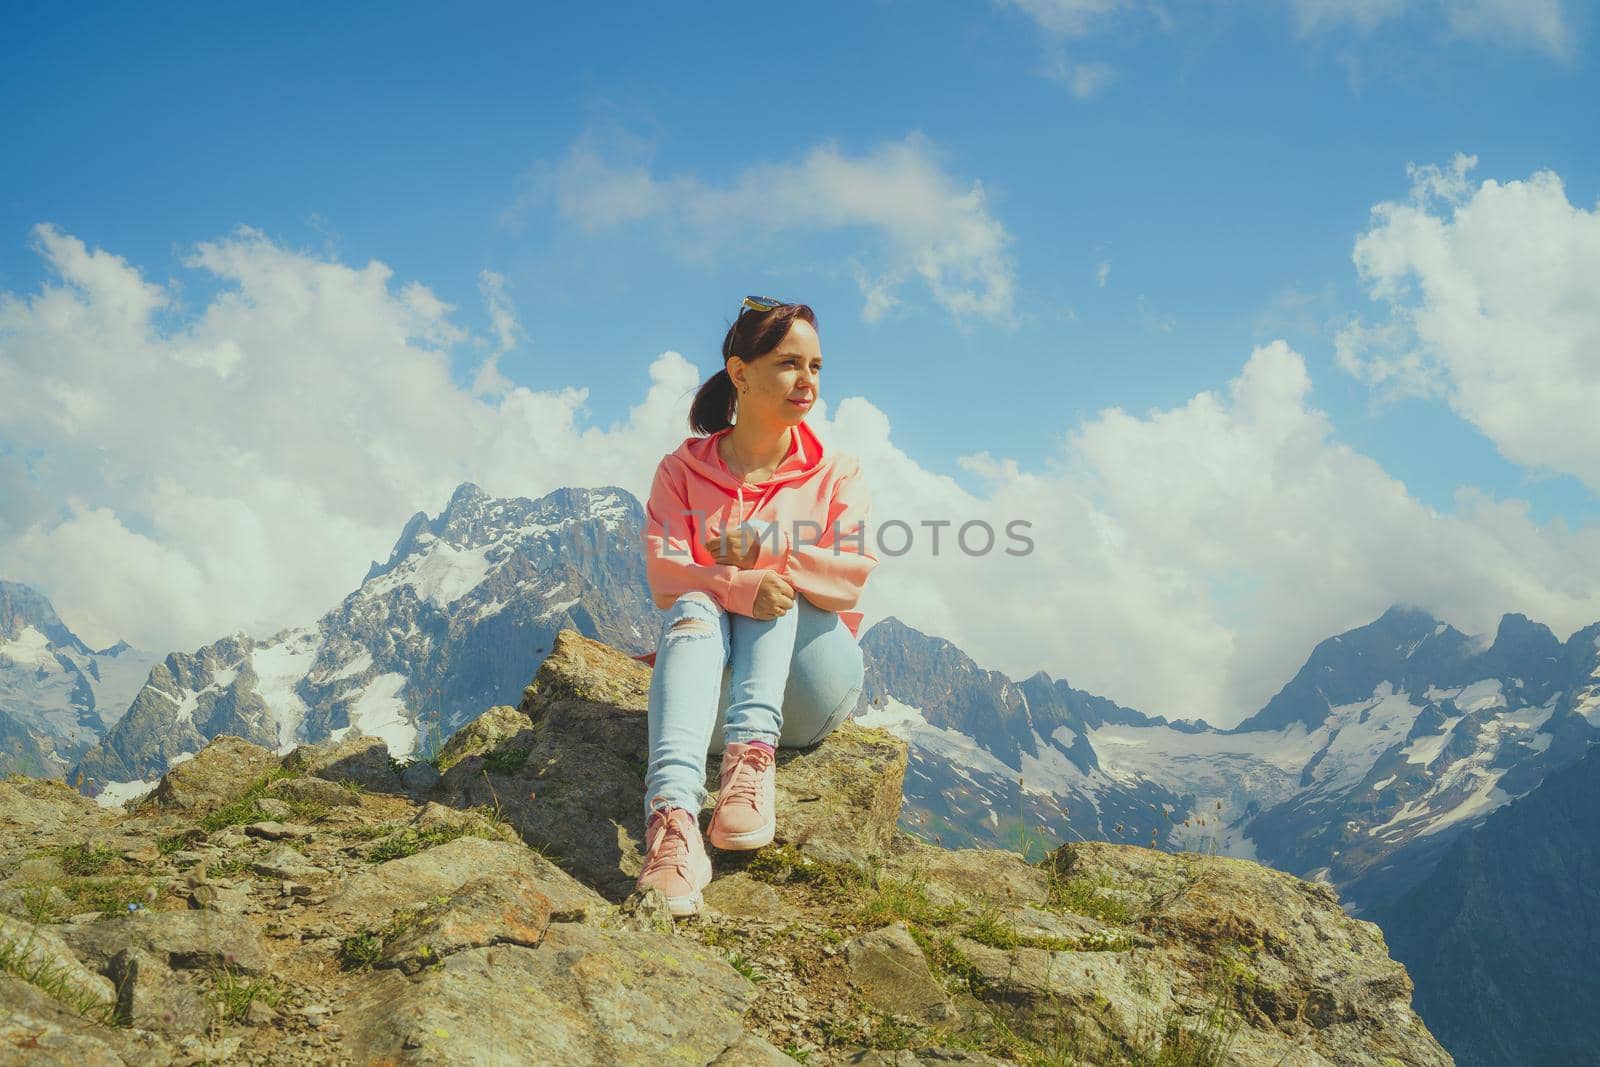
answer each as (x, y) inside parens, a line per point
(116, 794)
(957, 748)
(359, 665)
(279, 669)
(379, 712)
(441, 577)
(1425, 750)
(29, 648)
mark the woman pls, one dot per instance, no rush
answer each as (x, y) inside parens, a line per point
(755, 544)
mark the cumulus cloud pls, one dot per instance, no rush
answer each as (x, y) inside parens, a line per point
(1489, 297)
(1186, 561)
(917, 218)
(240, 470)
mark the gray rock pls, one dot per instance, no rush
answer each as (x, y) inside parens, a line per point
(894, 977)
(181, 940)
(38, 949)
(372, 894)
(586, 995)
(43, 806)
(752, 1051)
(497, 727)
(497, 909)
(218, 775)
(419, 778)
(355, 758)
(273, 808)
(52, 1033)
(151, 996)
(286, 862)
(740, 896)
(277, 831)
(225, 897)
(314, 791)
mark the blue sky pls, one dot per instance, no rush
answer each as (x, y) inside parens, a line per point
(1143, 193)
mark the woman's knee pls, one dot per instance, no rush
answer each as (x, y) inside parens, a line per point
(695, 616)
(819, 715)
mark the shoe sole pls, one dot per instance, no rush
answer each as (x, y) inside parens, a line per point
(750, 839)
(683, 906)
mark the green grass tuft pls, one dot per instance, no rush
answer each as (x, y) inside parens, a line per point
(81, 858)
(243, 809)
(18, 959)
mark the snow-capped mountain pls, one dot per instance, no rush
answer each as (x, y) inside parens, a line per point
(1393, 739)
(993, 761)
(1501, 938)
(57, 696)
(456, 621)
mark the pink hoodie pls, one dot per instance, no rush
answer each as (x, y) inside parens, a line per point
(807, 491)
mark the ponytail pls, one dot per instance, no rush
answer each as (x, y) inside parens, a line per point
(712, 409)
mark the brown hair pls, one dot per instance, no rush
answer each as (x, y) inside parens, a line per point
(752, 335)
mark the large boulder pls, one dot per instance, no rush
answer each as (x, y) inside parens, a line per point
(566, 769)
(358, 758)
(585, 995)
(217, 776)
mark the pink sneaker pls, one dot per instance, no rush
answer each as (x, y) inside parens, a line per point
(746, 815)
(675, 860)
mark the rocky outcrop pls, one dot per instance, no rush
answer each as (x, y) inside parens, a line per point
(242, 915)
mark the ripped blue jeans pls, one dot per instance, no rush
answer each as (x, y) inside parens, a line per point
(722, 677)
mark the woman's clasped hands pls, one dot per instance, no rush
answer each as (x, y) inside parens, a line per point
(739, 547)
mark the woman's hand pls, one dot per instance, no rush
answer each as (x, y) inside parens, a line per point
(775, 596)
(737, 547)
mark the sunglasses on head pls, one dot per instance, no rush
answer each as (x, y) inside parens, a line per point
(761, 303)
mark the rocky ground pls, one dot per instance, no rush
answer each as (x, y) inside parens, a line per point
(334, 907)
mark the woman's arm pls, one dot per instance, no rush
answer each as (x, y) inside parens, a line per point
(831, 573)
(669, 566)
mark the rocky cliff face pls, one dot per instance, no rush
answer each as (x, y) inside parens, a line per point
(57, 696)
(325, 906)
(1503, 935)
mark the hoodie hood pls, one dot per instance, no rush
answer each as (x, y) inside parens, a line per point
(805, 457)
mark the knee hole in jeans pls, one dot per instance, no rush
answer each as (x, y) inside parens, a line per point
(692, 626)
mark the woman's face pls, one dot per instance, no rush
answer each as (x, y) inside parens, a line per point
(781, 387)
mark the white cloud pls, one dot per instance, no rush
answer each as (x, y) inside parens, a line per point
(1082, 79)
(1102, 273)
(1185, 560)
(1490, 298)
(918, 218)
(1539, 23)
(242, 470)
(1069, 18)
